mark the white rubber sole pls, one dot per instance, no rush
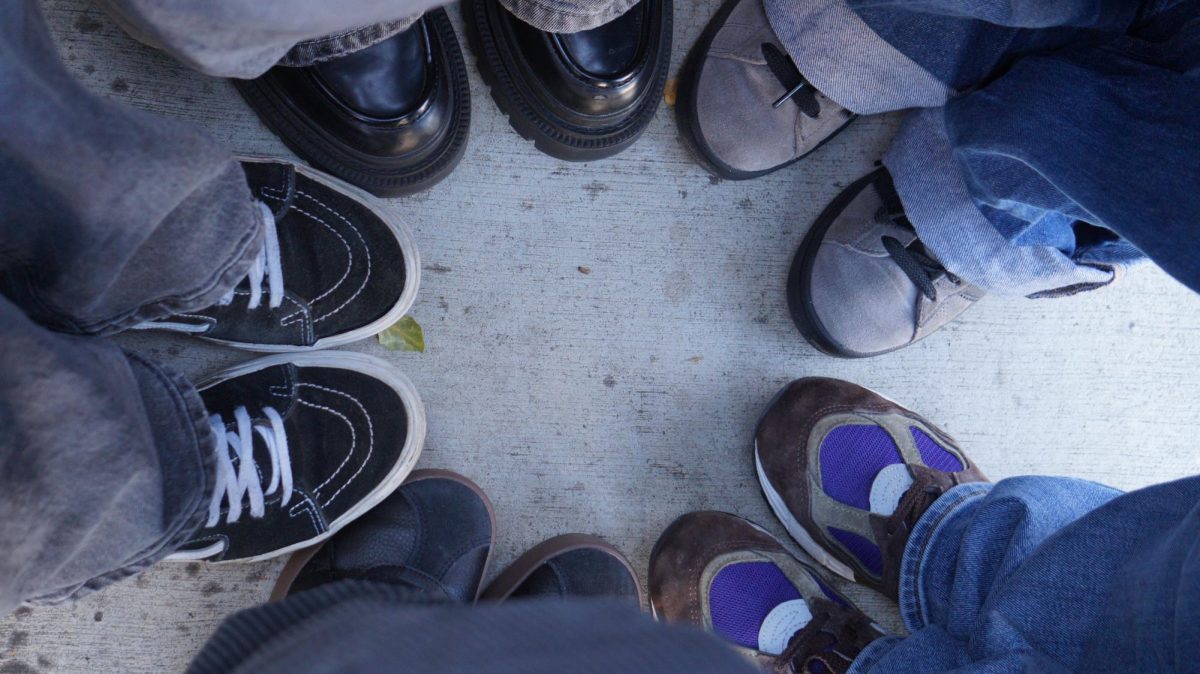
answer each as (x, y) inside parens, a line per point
(409, 453)
(412, 266)
(794, 528)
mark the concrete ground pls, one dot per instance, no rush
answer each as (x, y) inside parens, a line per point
(601, 339)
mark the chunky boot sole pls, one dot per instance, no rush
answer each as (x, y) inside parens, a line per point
(550, 134)
(375, 174)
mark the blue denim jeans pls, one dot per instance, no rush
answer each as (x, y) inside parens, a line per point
(1041, 574)
(1054, 140)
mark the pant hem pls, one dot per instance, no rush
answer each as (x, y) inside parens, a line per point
(848, 61)
(938, 203)
(184, 438)
(227, 274)
(330, 47)
(557, 19)
(912, 603)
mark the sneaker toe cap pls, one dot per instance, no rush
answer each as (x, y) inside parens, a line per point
(735, 119)
(863, 302)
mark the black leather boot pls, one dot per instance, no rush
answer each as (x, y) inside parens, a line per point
(392, 118)
(577, 96)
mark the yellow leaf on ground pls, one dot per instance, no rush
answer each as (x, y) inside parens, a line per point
(671, 92)
(405, 335)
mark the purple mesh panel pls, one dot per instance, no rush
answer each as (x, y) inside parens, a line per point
(742, 595)
(934, 455)
(866, 551)
(851, 457)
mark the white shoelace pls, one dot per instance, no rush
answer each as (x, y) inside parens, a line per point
(265, 265)
(235, 485)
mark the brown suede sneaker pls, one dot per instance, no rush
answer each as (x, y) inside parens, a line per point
(849, 473)
(727, 575)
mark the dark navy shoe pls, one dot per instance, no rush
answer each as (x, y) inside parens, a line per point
(718, 571)
(435, 533)
(304, 444)
(578, 96)
(571, 566)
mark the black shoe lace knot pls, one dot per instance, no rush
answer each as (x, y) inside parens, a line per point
(830, 642)
(797, 88)
(923, 492)
(916, 263)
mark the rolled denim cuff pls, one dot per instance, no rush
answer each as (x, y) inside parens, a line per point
(848, 61)
(567, 16)
(872, 654)
(184, 438)
(939, 205)
(329, 47)
(924, 541)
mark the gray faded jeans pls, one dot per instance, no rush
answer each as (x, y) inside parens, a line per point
(243, 38)
(111, 216)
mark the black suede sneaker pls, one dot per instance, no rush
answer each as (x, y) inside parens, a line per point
(304, 445)
(571, 566)
(434, 534)
(578, 96)
(335, 267)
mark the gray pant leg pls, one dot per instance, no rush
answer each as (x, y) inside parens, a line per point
(244, 38)
(358, 626)
(109, 215)
(103, 462)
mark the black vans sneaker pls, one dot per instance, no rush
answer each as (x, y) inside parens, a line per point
(305, 444)
(435, 534)
(335, 267)
(570, 566)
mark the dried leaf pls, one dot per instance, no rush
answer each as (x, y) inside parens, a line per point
(671, 92)
(405, 335)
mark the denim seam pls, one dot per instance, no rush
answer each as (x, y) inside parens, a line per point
(911, 604)
(550, 9)
(318, 50)
(195, 425)
(548, 18)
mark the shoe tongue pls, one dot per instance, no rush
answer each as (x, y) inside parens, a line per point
(781, 624)
(889, 487)
(273, 183)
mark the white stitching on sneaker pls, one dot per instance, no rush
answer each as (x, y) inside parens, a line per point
(311, 509)
(366, 255)
(354, 436)
(353, 228)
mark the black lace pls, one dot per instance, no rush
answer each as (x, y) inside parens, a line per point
(912, 259)
(829, 642)
(798, 89)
